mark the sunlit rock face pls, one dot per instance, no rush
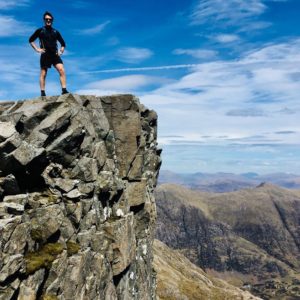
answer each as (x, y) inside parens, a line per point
(77, 210)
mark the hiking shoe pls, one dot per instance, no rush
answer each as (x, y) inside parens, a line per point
(64, 91)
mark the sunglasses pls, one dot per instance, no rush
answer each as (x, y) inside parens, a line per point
(48, 20)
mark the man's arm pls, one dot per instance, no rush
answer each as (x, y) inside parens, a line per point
(62, 43)
(32, 43)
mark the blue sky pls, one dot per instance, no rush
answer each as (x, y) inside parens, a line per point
(222, 75)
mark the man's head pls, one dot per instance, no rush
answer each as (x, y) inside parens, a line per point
(48, 19)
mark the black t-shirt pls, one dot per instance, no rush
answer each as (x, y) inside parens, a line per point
(48, 37)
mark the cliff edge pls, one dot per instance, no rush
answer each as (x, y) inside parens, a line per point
(77, 210)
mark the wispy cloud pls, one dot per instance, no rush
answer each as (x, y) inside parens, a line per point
(93, 30)
(247, 27)
(112, 41)
(8, 4)
(226, 38)
(244, 16)
(140, 69)
(129, 82)
(122, 84)
(247, 112)
(230, 12)
(285, 132)
(286, 111)
(237, 98)
(197, 53)
(9, 26)
(133, 55)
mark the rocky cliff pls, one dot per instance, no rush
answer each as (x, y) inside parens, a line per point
(77, 209)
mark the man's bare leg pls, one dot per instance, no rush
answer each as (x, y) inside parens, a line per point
(43, 75)
(62, 75)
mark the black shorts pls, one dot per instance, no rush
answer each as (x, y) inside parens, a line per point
(48, 59)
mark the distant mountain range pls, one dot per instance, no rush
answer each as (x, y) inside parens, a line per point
(228, 182)
(250, 237)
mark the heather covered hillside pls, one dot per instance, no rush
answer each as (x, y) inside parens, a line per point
(178, 278)
(250, 238)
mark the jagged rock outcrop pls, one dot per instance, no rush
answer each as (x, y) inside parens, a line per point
(77, 209)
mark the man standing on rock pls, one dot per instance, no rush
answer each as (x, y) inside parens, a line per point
(50, 55)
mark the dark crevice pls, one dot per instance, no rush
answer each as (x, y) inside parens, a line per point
(54, 237)
(51, 106)
(138, 140)
(55, 133)
(34, 121)
(86, 103)
(137, 208)
(74, 222)
(153, 123)
(29, 177)
(26, 125)
(117, 278)
(145, 113)
(104, 198)
(20, 126)
(75, 142)
(116, 197)
(41, 287)
(10, 279)
(15, 295)
(66, 152)
(26, 247)
(132, 179)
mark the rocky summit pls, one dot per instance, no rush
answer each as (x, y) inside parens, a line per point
(77, 210)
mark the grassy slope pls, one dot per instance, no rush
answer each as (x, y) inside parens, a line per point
(178, 278)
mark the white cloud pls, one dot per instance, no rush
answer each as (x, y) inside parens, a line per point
(129, 82)
(246, 112)
(9, 26)
(229, 11)
(226, 38)
(8, 4)
(93, 30)
(197, 53)
(243, 15)
(121, 85)
(254, 26)
(262, 88)
(133, 55)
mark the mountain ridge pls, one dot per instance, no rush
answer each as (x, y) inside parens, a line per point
(254, 232)
(226, 182)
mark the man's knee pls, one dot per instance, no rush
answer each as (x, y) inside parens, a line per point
(43, 73)
(60, 69)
